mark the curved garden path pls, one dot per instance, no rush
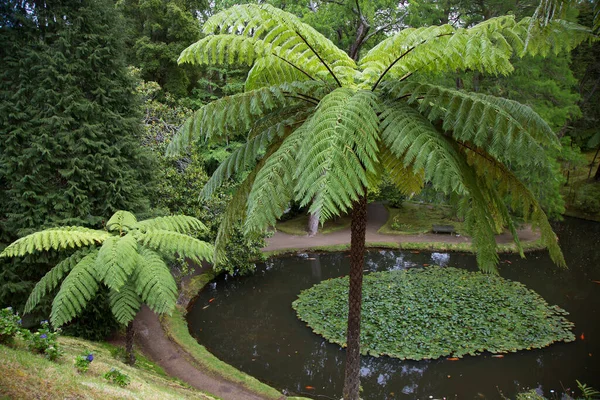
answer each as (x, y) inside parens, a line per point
(176, 362)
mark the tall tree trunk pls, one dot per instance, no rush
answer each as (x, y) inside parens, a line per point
(313, 224)
(129, 334)
(357, 260)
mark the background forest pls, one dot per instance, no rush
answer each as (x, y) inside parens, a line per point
(92, 94)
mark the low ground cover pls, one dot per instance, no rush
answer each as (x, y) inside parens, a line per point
(436, 312)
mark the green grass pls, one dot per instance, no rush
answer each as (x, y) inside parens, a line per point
(297, 226)
(27, 375)
(418, 218)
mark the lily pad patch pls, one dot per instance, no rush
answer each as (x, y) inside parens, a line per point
(436, 312)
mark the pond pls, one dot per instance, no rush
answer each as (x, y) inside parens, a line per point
(249, 323)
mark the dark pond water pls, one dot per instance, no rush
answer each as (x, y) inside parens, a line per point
(250, 324)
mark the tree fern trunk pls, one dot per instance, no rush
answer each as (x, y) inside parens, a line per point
(129, 334)
(357, 260)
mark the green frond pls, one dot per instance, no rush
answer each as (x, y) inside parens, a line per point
(245, 155)
(552, 36)
(273, 187)
(236, 209)
(338, 158)
(522, 199)
(116, 260)
(53, 278)
(285, 36)
(273, 71)
(67, 237)
(125, 303)
(121, 221)
(229, 116)
(175, 223)
(405, 178)
(480, 120)
(224, 49)
(154, 282)
(413, 140)
(76, 290)
(171, 243)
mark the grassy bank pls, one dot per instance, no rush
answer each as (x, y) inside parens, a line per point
(415, 218)
(24, 375)
(176, 328)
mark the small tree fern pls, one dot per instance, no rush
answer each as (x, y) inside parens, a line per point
(129, 257)
(323, 127)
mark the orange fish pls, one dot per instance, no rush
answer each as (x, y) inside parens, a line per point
(426, 265)
(582, 336)
(498, 356)
(309, 387)
(211, 300)
(453, 359)
(598, 282)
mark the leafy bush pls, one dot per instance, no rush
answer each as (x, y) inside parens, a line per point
(587, 198)
(83, 361)
(117, 377)
(388, 192)
(10, 325)
(44, 341)
(435, 312)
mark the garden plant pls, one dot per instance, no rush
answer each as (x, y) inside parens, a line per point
(322, 127)
(129, 257)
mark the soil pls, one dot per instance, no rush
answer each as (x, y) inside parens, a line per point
(175, 361)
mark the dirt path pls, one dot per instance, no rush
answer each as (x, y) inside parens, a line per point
(376, 217)
(156, 345)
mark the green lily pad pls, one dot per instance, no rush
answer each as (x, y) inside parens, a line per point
(436, 312)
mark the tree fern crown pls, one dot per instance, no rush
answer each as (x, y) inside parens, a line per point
(322, 127)
(130, 257)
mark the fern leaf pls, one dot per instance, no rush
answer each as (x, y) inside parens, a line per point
(52, 279)
(175, 223)
(56, 239)
(76, 290)
(121, 221)
(171, 243)
(338, 158)
(154, 282)
(273, 71)
(228, 116)
(116, 260)
(124, 303)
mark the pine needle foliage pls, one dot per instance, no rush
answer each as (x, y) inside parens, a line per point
(129, 257)
(321, 127)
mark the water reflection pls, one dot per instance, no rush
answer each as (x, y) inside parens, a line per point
(250, 324)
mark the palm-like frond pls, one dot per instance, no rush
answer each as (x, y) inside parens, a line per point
(56, 239)
(283, 34)
(175, 223)
(125, 303)
(154, 282)
(53, 278)
(121, 221)
(338, 157)
(482, 120)
(171, 243)
(76, 290)
(116, 260)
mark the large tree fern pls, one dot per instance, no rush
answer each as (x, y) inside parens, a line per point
(130, 257)
(323, 127)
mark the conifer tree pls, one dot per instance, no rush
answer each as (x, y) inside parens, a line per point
(322, 127)
(69, 122)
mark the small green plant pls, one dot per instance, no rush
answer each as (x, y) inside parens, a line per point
(10, 325)
(83, 361)
(588, 393)
(44, 341)
(117, 377)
